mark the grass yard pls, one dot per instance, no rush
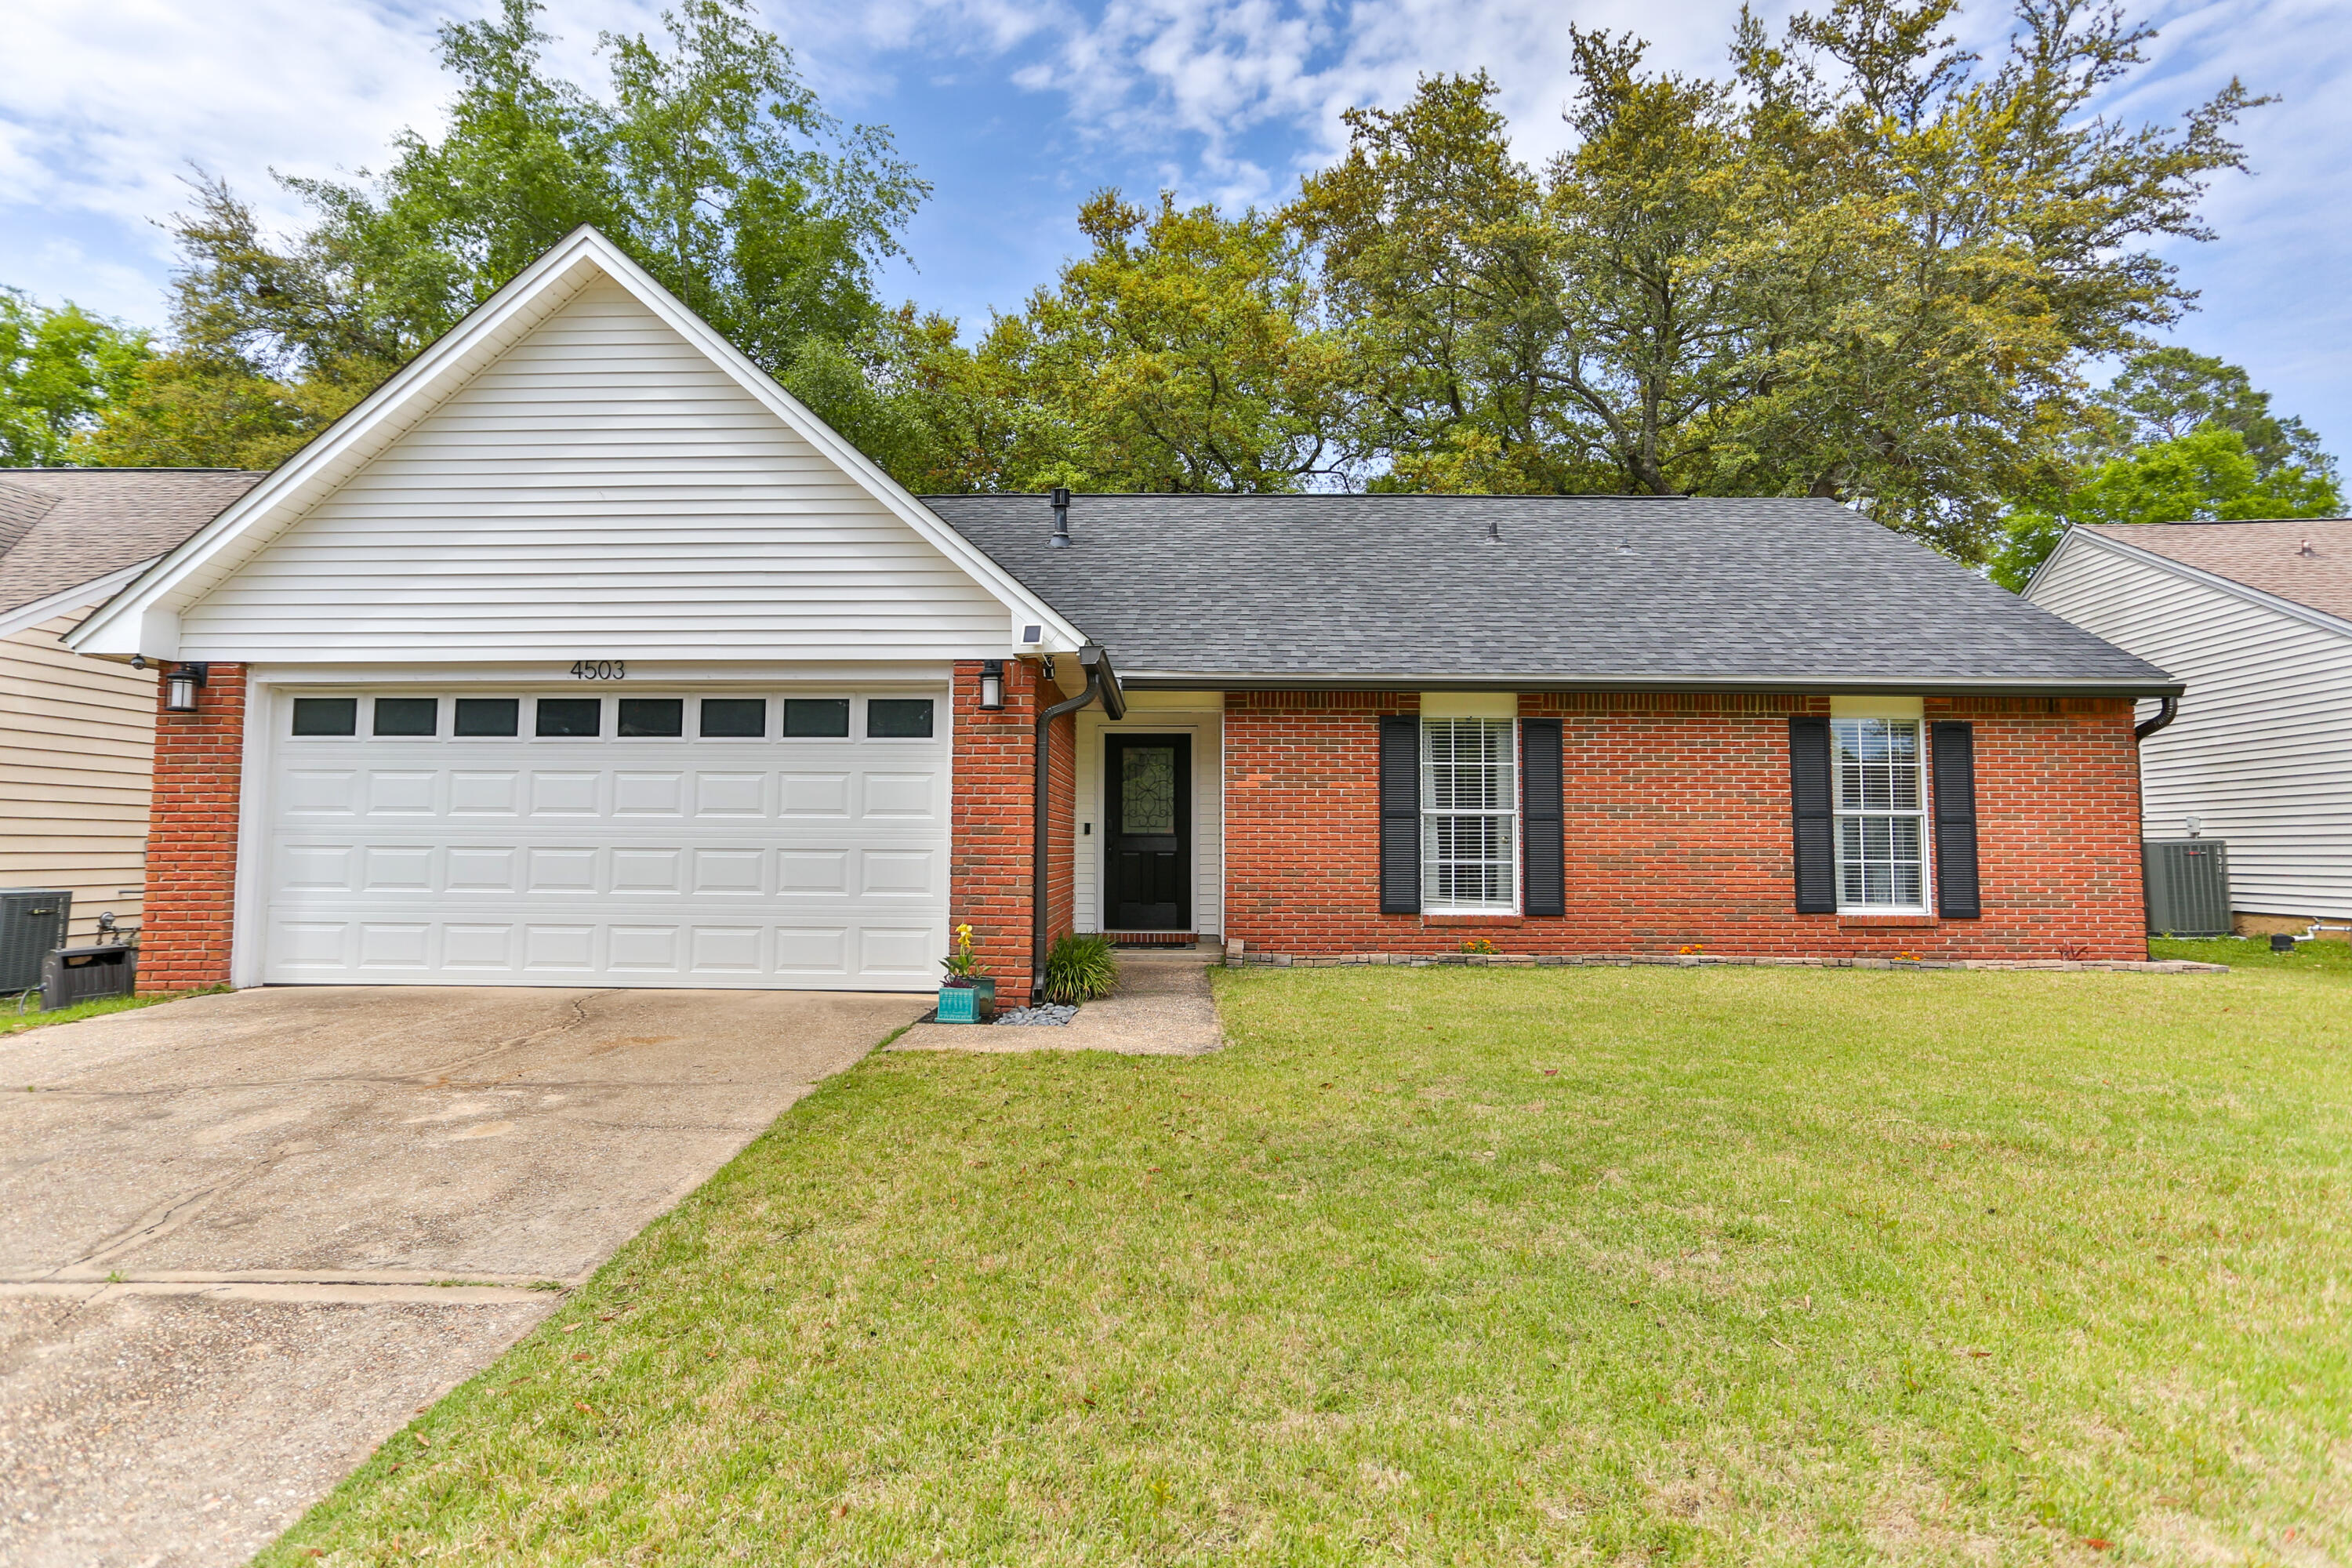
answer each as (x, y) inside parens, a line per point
(2327, 957)
(21, 1010)
(1477, 1267)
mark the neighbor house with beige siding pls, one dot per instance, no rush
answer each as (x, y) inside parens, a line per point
(77, 734)
(2256, 618)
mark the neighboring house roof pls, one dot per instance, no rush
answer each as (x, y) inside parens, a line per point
(1595, 591)
(60, 528)
(2269, 556)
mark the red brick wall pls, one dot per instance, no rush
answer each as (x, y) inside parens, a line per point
(1677, 827)
(184, 933)
(990, 854)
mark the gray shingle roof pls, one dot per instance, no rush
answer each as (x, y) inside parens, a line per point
(61, 527)
(1576, 589)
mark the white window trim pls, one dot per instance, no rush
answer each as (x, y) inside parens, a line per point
(1897, 711)
(1431, 906)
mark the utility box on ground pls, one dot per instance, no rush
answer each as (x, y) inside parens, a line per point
(72, 975)
(2188, 882)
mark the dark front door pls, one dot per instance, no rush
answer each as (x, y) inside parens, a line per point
(1147, 832)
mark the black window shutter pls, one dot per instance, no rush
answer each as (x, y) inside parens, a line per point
(1809, 805)
(1539, 816)
(1954, 761)
(1400, 814)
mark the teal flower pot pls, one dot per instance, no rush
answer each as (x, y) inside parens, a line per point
(959, 1004)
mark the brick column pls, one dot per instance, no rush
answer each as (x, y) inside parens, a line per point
(184, 933)
(988, 861)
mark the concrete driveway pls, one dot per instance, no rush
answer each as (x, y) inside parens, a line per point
(229, 1225)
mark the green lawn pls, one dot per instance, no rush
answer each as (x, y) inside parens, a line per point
(22, 1010)
(2330, 957)
(1477, 1267)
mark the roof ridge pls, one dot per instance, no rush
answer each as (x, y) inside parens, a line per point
(122, 469)
(1332, 495)
(19, 510)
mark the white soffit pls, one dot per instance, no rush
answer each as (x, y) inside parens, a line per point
(1876, 706)
(144, 617)
(1469, 705)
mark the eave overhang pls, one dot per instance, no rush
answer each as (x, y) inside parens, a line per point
(1857, 686)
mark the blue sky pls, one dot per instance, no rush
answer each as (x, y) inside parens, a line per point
(1015, 110)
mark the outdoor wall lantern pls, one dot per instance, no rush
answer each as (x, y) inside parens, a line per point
(992, 685)
(180, 687)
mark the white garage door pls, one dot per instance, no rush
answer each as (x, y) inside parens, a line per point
(652, 838)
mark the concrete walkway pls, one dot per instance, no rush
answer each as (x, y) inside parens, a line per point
(1162, 1008)
(244, 1238)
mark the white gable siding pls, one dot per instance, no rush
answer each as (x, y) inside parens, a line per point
(2262, 748)
(601, 490)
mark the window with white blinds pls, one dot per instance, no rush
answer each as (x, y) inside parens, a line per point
(1881, 827)
(1469, 816)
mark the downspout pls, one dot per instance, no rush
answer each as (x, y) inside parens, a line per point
(2166, 713)
(1101, 681)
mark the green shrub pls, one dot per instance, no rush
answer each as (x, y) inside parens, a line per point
(1079, 969)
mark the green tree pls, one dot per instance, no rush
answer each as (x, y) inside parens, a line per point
(1862, 267)
(1180, 353)
(1442, 275)
(267, 351)
(2206, 475)
(2165, 394)
(60, 371)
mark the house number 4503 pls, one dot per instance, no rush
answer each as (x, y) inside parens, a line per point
(601, 670)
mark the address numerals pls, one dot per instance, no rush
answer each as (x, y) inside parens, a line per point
(601, 670)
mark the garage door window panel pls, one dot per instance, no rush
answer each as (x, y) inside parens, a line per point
(570, 718)
(734, 718)
(484, 717)
(326, 715)
(816, 718)
(899, 718)
(653, 716)
(407, 715)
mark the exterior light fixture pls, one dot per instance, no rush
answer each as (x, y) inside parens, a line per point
(180, 687)
(992, 685)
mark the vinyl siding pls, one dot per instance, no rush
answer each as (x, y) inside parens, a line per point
(1208, 811)
(601, 490)
(2262, 748)
(77, 740)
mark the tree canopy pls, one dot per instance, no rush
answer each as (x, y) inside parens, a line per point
(2210, 475)
(60, 371)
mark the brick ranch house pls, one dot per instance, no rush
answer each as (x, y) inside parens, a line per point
(579, 654)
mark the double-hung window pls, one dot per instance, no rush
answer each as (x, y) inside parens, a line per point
(1469, 816)
(1881, 816)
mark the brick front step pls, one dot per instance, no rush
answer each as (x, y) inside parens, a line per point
(1695, 960)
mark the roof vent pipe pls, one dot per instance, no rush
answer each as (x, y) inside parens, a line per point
(1061, 540)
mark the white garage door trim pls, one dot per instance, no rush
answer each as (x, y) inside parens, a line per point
(767, 863)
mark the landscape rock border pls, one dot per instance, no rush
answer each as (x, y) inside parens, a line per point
(1237, 955)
